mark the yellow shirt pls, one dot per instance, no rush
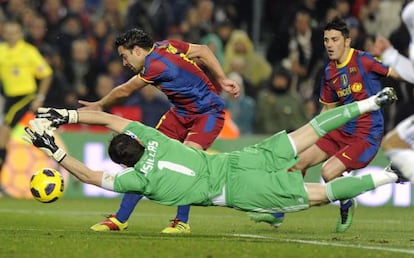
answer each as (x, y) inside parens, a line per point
(20, 67)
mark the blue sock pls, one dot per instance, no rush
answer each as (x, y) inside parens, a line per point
(128, 203)
(183, 213)
(278, 215)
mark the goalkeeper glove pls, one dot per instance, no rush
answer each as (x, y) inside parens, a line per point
(58, 116)
(44, 140)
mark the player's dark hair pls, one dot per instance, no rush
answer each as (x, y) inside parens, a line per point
(125, 150)
(134, 37)
(338, 24)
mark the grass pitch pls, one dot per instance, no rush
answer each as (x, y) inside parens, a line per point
(61, 229)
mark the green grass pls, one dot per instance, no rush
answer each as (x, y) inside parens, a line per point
(61, 229)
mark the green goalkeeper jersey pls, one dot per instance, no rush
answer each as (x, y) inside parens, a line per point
(171, 173)
(254, 178)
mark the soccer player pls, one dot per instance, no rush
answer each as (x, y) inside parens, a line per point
(170, 173)
(25, 77)
(350, 75)
(398, 144)
(196, 117)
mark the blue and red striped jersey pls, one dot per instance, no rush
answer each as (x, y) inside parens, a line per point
(355, 79)
(187, 87)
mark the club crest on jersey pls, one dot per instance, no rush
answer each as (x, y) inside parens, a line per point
(353, 71)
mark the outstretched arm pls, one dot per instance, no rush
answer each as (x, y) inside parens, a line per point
(44, 140)
(209, 60)
(58, 117)
(116, 95)
(402, 67)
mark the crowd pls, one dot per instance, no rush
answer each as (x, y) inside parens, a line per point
(280, 75)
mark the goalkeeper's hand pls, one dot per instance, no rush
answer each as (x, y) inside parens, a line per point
(58, 116)
(43, 139)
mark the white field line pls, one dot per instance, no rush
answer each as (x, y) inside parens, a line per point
(311, 242)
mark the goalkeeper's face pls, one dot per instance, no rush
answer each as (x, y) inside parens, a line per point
(132, 58)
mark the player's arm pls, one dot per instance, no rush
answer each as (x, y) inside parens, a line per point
(44, 140)
(402, 67)
(116, 95)
(206, 57)
(57, 117)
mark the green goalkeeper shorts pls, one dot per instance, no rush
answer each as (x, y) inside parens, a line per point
(259, 180)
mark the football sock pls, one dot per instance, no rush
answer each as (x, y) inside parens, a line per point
(128, 203)
(183, 213)
(334, 118)
(347, 187)
(403, 160)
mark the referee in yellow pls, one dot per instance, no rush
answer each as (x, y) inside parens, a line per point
(25, 77)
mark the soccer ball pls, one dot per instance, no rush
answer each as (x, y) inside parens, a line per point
(46, 185)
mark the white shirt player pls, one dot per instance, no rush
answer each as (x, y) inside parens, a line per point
(402, 65)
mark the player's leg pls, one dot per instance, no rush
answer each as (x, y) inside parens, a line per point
(329, 120)
(398, 147)
(119, 221)
(347, 153)
(347, 187)
(309, 134)
(199, 132)
(15, 108)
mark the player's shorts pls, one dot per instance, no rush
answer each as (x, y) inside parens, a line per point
(405, 130)
(259, 180)
(200, 128)
(353, 151)
(15, 108)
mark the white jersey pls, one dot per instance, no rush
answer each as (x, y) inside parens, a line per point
(405, 130)
(403, 66)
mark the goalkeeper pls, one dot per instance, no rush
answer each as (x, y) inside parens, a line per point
(170, 173)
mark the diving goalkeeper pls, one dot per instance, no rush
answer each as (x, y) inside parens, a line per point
(170, 173)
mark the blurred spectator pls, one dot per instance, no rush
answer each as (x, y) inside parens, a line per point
(37, 33)
(70, 30)
(257, 68)
(116, 71)
(343, 7)
(224, 30)
(215, 44)
(380, 17)
(242, 109)
(80, 71)
(60, 94)
(104, 84)
(152, 102)
(304, 55)
(278, 107)
(205, 10)
(154, 17)
(101, 43)
(78, 9)
(53, 11)
(238, 66)
(355, 33)
(190, 26)
(109, 11)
